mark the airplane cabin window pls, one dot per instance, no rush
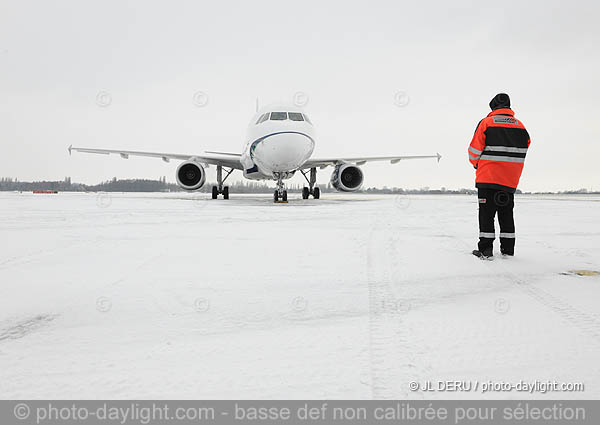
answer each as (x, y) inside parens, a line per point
(306, 119)
(278, 116)
(295, 116)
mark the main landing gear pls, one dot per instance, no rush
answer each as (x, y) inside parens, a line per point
(220, 189)
(311, 190)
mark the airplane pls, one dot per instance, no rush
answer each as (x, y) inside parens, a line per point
(279, 142)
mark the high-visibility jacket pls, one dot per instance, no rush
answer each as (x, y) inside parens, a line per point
(498, 150)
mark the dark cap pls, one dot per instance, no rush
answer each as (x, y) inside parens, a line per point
(501, 100)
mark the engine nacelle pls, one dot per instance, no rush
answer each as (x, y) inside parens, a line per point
(347, 178)
(190, 175)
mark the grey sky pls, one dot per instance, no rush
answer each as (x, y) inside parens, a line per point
(349, 57)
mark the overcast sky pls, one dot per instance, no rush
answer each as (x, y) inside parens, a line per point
(123, 74)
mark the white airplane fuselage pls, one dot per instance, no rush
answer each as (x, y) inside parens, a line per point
(277, 146)
(280, 140)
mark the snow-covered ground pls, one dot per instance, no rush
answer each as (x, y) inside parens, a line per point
(176, 296)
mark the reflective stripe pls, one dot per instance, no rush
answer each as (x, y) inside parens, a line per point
(475, 151)
(505, 149)
(507, 235)
(505, 120)
(474, 158)
(502, 158)
(487, 235)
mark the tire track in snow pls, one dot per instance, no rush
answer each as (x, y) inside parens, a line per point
(571, 315)
(392, 357)
(581, 320)
(25, 327)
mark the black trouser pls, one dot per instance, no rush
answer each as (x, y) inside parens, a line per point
(490, 201)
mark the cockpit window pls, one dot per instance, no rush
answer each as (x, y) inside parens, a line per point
(295, 116)
(263, 118)
(278, 116)
(306, 119)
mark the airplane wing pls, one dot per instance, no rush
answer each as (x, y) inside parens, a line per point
(229, 160)
(326, 162)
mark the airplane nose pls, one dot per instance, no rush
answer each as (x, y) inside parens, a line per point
(283, 152)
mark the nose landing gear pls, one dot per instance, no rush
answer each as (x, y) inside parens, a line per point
(280, 194)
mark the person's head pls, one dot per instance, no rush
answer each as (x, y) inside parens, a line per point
(501, 100)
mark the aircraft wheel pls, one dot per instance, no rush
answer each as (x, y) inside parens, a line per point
(284, 196)
(226, 192)
(215, 192)
(275, 196)
(305, 193)
(316, 193)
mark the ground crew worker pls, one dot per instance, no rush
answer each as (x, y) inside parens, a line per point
(497, 152)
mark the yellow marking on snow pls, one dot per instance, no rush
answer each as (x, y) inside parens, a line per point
(585, 272)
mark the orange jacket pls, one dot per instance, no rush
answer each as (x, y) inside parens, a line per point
(498, 150)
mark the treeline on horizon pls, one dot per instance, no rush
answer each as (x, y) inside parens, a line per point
(161, 185)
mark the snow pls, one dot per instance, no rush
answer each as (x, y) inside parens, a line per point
(352, 296)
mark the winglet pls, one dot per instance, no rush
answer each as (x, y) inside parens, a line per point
(70, 148)
(438, 156)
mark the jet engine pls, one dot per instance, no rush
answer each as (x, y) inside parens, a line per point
(347, 178)
(190, 175)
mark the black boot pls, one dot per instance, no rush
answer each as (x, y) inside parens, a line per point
(507, 253)
(486, 253)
